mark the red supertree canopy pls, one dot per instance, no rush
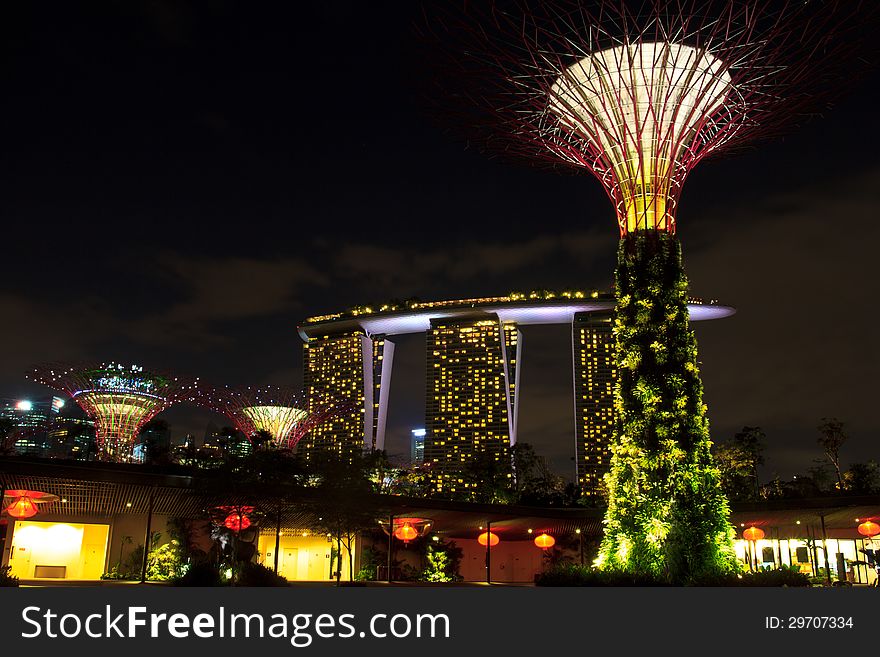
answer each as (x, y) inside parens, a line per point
(283, 413)
(121, 399)
(638, 93)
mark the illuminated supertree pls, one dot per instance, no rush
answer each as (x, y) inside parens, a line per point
(121, 399)
(636, 96)
(284, 414)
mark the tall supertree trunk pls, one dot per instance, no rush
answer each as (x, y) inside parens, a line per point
(667, 515)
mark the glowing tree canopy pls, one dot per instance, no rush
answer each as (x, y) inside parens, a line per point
(284, 414)
(636, 94)
(121, 399)
(638, 107)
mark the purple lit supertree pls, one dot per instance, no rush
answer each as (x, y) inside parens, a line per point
(121, 399)
(636, 94)
(284, 414)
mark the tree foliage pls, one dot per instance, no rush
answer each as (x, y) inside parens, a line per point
(738, 460)
(831, 439)
(442, 562)
(667, 514)
(344, 502)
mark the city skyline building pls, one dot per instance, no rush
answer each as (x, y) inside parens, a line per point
(225, 441)
(153, 442)
(594, 375)
(471, 401)
(73, 437)
(417, 447)
(37, 428)
(342, 339)
(29, 424)
(354, 368)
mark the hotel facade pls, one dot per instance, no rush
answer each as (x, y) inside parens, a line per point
(352, 367)
(473, 351)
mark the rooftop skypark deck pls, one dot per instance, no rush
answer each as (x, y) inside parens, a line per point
(536, 307)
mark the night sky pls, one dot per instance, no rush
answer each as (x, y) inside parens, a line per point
(182, 183)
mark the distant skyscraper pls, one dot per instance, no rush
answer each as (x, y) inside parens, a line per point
(30, 424)
(73, 438)
(417, 447)
(225, 441)
(154, 441)
(25, 414)
(353, 367)
(472, 400)
(593, 347)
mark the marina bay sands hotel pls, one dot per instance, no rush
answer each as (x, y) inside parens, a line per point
(473, 349)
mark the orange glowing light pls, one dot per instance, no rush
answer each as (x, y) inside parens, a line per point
(24, 502)
(406, 532)
(22, 507)
(545, 541)
(407, 528)
(753, 534)
(489, 537)
(869, 529)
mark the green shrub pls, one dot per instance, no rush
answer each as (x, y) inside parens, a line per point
(573, 575)
(568, 574)
(366, 574)
(371, 559)
(164, 562)
(782, 576)
(255, 574)
(116, 573)
(443, 561)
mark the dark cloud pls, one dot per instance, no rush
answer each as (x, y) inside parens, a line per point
(223, 289)
(384, 267)
(802, 272)
(33, 328)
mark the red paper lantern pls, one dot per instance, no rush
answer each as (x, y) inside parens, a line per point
(24, 502)
(22, 507)
(545, 541)
(488, 537)
(753, 534)
(406, 532)
(869, 529)
(407, 528)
